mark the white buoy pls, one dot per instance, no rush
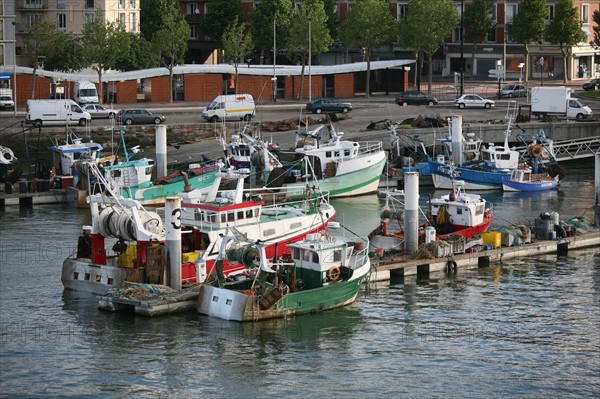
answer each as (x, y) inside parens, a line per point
(173, 240)
(457, 139)
(411, 211)
(161, 151)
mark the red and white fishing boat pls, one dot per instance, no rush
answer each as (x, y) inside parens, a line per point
(139, 253)
(456, 213)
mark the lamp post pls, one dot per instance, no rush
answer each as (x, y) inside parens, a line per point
(274, 59)
(542, 70)
(14, 24)
(462, 45)
(309, 60)
(521, 65)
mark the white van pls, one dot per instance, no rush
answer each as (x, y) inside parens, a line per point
(85, 92)
(56, 112)
(240, 106)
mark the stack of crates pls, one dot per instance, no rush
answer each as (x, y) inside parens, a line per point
(493, 239)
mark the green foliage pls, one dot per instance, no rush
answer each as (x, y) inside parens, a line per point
(596, 18)
(236, 45)
(529, 24)
(220, 14)
(40, 40)
(67, 55)
(565, 29)
(369, 23)
(478, 20)
(333, 19)
(263, 16)
(149, 10)
(104, 44)
(140, 56)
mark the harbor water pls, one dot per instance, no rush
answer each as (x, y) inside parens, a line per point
(528, 328)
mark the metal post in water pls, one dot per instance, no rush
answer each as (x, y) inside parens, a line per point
(173, 240)
(597, 176)
(411, 211)
(457, 138)
(161, 151)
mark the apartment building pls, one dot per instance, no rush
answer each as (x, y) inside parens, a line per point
(69, 16)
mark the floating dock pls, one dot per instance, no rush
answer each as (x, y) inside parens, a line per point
(52, 196)
(382, 267)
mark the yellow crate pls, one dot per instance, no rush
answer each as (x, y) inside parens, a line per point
(190, 257)
(493, 238)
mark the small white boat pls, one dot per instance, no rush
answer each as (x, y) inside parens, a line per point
(524, 180)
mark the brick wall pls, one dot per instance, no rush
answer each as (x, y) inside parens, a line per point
(343, 85)
(126, 91)
(292, 87)
(202, 87)
(261, 87)
(160, 89)
(25, 84)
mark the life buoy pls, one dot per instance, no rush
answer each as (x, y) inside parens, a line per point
(451, 266)
(536, 151)
(333, 274)
(300, 284)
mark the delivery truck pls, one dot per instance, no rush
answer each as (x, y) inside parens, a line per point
(85, 92)
(557, 102)
(56, 112)
(233, 106)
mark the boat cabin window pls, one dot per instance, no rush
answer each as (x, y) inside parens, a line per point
(479, 209)
(295, 253)
(240, 215)
(346, 153)
(328, 154)
(505, 157)
(223, 218)
(212, 217)
(115, 173)
(268, 232)
(459, 211)
(230, 216)
(148, 170)
(337, 255)
(249, 213)
(306, 255)
(315, 257)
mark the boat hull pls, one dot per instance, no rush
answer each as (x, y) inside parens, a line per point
(475, 179)
(471, 231)
(510, 185)
(359, 179)
(234, 305)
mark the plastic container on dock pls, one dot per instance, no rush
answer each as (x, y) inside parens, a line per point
(429, 234)
(493, 238)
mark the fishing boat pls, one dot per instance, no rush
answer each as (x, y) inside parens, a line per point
(138, 255)
(73, 149)
(343, 168)
(496, 162)
(324, 271)
(454, 214)
(524, 180)
(132, 178)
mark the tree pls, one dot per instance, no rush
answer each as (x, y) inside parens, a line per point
(140, 56)
(308, 32)
(528, 26)
(220, 14)
(104, 44)
(426, 26)
(333, 19)
(67, 55)
(596, 18)
(236, 45)
(40, 40)
(264, 15)
(369, 24)
(565, 30)
(149, 23)
(170, 42)
(478, 22)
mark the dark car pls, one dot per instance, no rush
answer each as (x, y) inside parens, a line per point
(139, 116)
(328, 105)
(594, 84)
(415, 98)
(511, 91)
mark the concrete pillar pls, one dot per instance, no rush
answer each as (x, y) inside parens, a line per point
(411, 211)
(173, 240)
(597, 176)
(161, 151)
(457, 138)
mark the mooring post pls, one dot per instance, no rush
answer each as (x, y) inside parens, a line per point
(173, 240)
(161, 151)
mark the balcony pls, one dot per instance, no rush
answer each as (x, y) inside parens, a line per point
(32, 5)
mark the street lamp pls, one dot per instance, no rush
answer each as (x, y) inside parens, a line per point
(462, 45)
(309, 60)
(542, 69)
(521, 65)
(274, 59)
(14, 24)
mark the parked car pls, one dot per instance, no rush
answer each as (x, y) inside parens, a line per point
(473, 101)
(97, 111)
(594, 84)
(6, 102)
(139, 116)
(511, 91)
(328, 105)
(415, 98)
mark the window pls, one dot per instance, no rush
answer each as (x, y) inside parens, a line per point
(89, 18)
(132, 24)
(550, 13)
(89, 3)
(193, 9)
(511, 12)
(122, 19)
(193, 32)
(60, 4)
(585, 13)
(31, 18)
(337, 255)
(62, 22)
(131, 3)
(401, 11)
(457, 33)
(491, 36)
(122, 4)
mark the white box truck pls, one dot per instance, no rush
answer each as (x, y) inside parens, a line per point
(239, 106)
(85, 92)
(56, 112)
(557, 101)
